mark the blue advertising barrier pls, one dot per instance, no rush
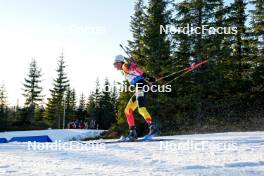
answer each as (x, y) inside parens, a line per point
(44, 138)
(3, 140)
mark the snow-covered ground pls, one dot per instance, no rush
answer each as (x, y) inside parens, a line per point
(219, 154)
(55, 134)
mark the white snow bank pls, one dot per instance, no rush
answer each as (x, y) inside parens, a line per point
(55, 134)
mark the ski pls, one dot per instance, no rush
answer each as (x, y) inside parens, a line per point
(142, 139)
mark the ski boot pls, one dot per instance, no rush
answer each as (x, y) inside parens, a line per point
(153, 129)
(131, 137)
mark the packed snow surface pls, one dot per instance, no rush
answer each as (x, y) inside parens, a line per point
(218, 154)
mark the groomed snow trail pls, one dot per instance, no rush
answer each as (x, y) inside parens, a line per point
(218, 154)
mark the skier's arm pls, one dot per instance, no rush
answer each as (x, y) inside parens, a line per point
(125, 68)
(137, 70)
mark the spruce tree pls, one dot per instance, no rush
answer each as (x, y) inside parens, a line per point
(137, 28)
(182, 55)
(82, 102)
(257, 23)
(156, 45)
(90, 107)
(3, 98)
(181, 42)
(257, 29)
(32, 89)
(54, 112)
(3, 107)
(108, 108)
(93, 106)
(237, 19)
(98, 110)
(70, 105)
(114, 96)
(81, 111)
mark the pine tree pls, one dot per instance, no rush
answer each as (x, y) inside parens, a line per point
(173, 112)
(97, 93)
(107, 107)
(210, 46)
(238, 19)
(114, 96)
(98, 110)
(82, 102)
(200, 13)
(93, 106)
(54, 112)
(257, 23)
(81, 111)
(3, 107)
(137, 28)
(32, 89)
(181, 42)
(3, 98)
(156, 45)
(49, 115)
(90, 107)
(39, 113)
(73, 100)
(70, 102)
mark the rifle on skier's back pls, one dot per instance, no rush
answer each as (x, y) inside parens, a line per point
(130, 59)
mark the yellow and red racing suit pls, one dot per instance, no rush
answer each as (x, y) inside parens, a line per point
(134, 76)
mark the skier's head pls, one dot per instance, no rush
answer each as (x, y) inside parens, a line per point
(119, 61)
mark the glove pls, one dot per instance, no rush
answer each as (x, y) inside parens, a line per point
(148, 78)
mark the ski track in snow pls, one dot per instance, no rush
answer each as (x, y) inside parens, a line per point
(143, 158)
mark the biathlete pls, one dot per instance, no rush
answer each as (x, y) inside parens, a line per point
(135, 76)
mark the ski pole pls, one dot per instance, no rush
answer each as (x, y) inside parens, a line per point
(176, 78)
(171, 74)
(187, 70)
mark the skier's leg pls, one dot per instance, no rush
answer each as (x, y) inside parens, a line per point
(140, 95)
(131, 106)
(153, 130)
